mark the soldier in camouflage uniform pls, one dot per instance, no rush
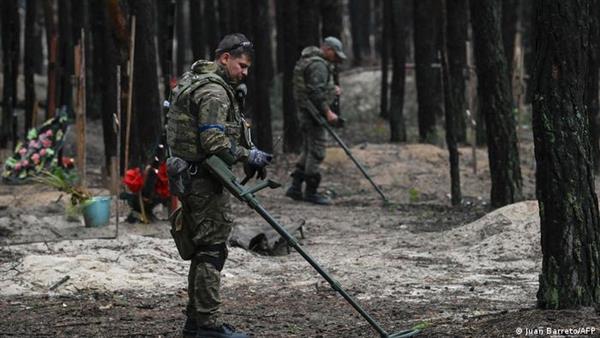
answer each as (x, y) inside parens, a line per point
(314, 89)
(204, 119)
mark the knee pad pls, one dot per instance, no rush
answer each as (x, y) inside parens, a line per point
(218, 262)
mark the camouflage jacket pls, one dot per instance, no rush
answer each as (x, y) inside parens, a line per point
(314, 80)
(204, 117)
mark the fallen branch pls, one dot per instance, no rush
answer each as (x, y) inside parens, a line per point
(60, 282)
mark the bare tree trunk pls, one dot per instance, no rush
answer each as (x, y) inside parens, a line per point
(52, 41)
(210, 26)
(456, 38)
(9, 18)
(452, 113)
(592, 88)
(331, 18)
(570, 224)
(386, 37)
(360, 27)
(105, 67)
(308, 24)
(263, 70)
(495, 103)
(399, 28)
(198, 35)
(29, 64)
(181, 35)
(292, 137)
(65, 54)
(428, 75)
(510, 18)
(146, 117)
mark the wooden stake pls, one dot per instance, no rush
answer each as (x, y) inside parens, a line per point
(117, 128)
(80, 107)
(130, 94)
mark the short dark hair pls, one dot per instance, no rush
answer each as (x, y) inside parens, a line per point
(235, 44)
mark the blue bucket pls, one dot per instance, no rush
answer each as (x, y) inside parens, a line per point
(96, 213)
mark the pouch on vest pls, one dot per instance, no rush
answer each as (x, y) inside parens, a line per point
(179, 176)
(182, 235)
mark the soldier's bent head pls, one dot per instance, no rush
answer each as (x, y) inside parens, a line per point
(235, 53)
(236, 44)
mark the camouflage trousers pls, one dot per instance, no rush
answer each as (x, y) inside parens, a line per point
(313, 147)
(207, 211)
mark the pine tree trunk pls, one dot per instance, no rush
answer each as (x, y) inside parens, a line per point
(65, 54)
(29, 64)
(456, 38)
(52, 46)
(263, 70)
(360, 28)
(331, 18)
(198, 38)
(495, 99)
(386, 38)
(9, 18)
(105, 74)
(292, 137)
(210, 26)
(308, 24)
(146, 118)
(570, 224)
(180, 36)
(452, 112)
(279, 42)
(399, 29)
(592, 87)
(428, 76)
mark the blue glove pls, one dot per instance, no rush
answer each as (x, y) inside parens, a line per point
(258, 158)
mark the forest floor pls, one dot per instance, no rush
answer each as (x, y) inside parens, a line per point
(465, 271)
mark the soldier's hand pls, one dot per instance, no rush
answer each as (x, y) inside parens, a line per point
(250, 171)
(331, 117)
(338, 91)
(258, 158)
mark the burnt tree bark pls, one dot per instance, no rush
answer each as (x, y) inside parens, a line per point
(308, 33)
(399, 27)
(198, 37)
(263, 75)
(360, 28)
(452, 112)
(570, 224)
(331, 18)
(210, 26)
(495, 102)
(105, 74)
(386, 37)
(292, 137)
(146, 117)
(9, 18)
(427, 70)
(591, 92)
(51, 40)
(457, 21)
(29, 64)
(66, 60)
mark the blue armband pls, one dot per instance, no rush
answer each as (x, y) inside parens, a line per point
(204, 127)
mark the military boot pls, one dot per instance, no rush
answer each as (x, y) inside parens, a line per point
(190, 328)
(295, 191)
(223, 331)
(311, 195)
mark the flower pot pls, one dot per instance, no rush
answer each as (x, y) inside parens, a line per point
(96, 211)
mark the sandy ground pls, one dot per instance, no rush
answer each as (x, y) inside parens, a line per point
(462, 271)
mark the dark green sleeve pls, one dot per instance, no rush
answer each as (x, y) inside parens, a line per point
(316, 77)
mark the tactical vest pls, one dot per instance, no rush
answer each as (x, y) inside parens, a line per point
(309, 56)
(182, 127)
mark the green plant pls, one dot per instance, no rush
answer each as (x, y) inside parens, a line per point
(414, 195)
(64, 181)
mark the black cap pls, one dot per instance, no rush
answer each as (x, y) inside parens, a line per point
(234, 41)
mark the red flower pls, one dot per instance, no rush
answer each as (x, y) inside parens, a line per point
(134, 180)
(162, 182)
